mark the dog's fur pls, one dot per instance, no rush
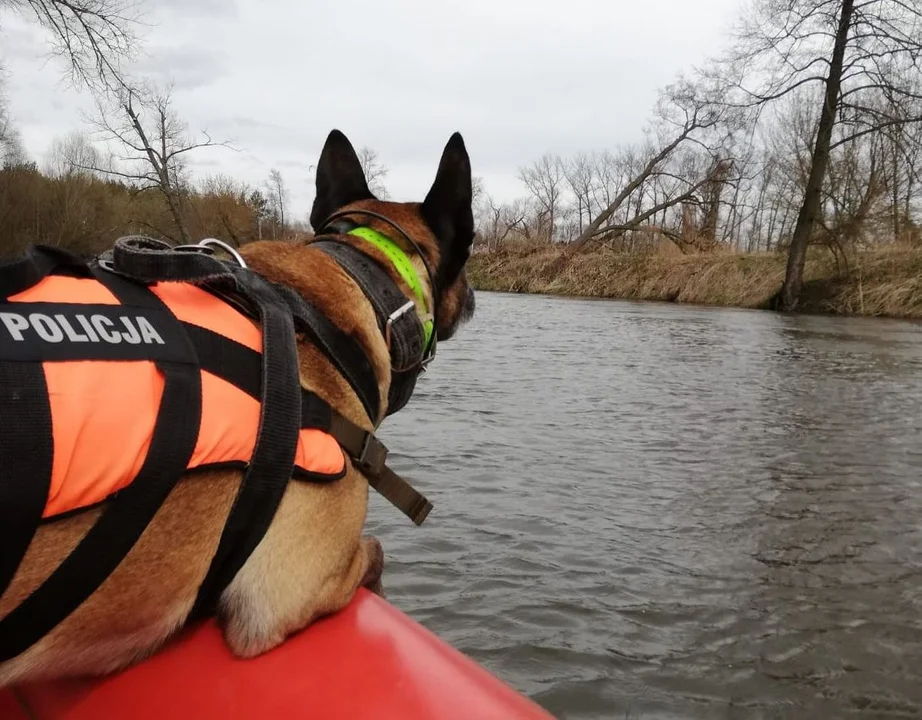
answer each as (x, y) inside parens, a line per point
(313, 556)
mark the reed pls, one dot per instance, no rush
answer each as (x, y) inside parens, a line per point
(882, 281)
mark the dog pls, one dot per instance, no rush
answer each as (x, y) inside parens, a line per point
(313, 556)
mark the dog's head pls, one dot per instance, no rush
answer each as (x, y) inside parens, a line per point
(441, 227)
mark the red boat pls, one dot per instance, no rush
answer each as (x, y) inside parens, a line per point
(367, 661)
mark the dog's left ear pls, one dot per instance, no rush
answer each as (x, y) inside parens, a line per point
(340, 178)
(447, 209)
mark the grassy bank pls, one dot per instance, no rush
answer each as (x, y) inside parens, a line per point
(885, 281)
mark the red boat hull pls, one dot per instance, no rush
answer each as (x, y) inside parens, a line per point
(367, 661)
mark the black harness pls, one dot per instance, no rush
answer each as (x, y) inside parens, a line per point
(271, 376)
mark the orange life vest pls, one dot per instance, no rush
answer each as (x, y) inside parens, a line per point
(103, 412)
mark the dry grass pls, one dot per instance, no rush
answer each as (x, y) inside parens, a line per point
(886, 281)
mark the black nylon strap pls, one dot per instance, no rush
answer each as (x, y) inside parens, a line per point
(38, 262)
(343, 350)
(26, 444)
(273, 458)
(131, 292)
(121, 523)
(241, 367)
(228, 359)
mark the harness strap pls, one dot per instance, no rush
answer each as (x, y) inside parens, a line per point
(26, 441)
(131, 509)
(270, 468)
(38, 262)
(342, 349)
(370, 455)
(239, 365)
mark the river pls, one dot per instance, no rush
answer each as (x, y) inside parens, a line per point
(646, 510)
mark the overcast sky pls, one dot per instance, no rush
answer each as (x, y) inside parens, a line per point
(518, 78)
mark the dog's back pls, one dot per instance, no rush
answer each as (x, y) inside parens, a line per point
(312, 556)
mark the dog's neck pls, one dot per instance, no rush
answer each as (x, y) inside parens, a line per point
(325, 281)
(401, 298)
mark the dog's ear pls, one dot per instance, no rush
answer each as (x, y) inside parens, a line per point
(340, 178)
(447, 209)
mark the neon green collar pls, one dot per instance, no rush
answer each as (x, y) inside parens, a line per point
(400, 260)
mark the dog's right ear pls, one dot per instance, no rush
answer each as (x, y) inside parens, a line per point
(340, 178)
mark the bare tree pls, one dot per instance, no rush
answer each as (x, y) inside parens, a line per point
(545, 180)
(477, 190)
(375, 171)
(154, 144)
(853, 50)
(278, 196)
(686, 118)
(499, 220)
(73, 154)
(93, 36)
(580, 173)
(11, 150)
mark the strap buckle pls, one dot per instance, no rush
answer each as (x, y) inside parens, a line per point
(394, 317)
(372, 456)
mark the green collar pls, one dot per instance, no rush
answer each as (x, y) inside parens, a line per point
(401, 261)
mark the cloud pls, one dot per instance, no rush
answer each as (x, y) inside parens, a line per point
(186, 67)
(516, 78)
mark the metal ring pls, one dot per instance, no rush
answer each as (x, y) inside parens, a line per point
(230, 251)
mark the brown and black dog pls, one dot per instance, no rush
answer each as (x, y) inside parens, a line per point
(313, 556)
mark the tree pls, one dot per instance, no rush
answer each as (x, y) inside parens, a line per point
(94, 36)
(154, 144)
(688, 118)
(73, 154)
(223, 209)
(278, 196)
(855, 51)
(545, 180)
(495, 222)
(11, 150)
(581, 175)
(375, 171)
(262, 210)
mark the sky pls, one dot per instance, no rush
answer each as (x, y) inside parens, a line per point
(517, 78)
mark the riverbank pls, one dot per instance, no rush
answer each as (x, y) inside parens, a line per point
(882, 282)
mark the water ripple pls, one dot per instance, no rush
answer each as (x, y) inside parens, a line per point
(649, 510)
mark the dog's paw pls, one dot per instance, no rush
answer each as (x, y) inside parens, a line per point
(245, 643)
(248, 628)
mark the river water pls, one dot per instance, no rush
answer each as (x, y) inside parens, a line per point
(647, 510)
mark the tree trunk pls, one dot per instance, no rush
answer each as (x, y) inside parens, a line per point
(797, 256)
(896, 191)
(173, 202)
